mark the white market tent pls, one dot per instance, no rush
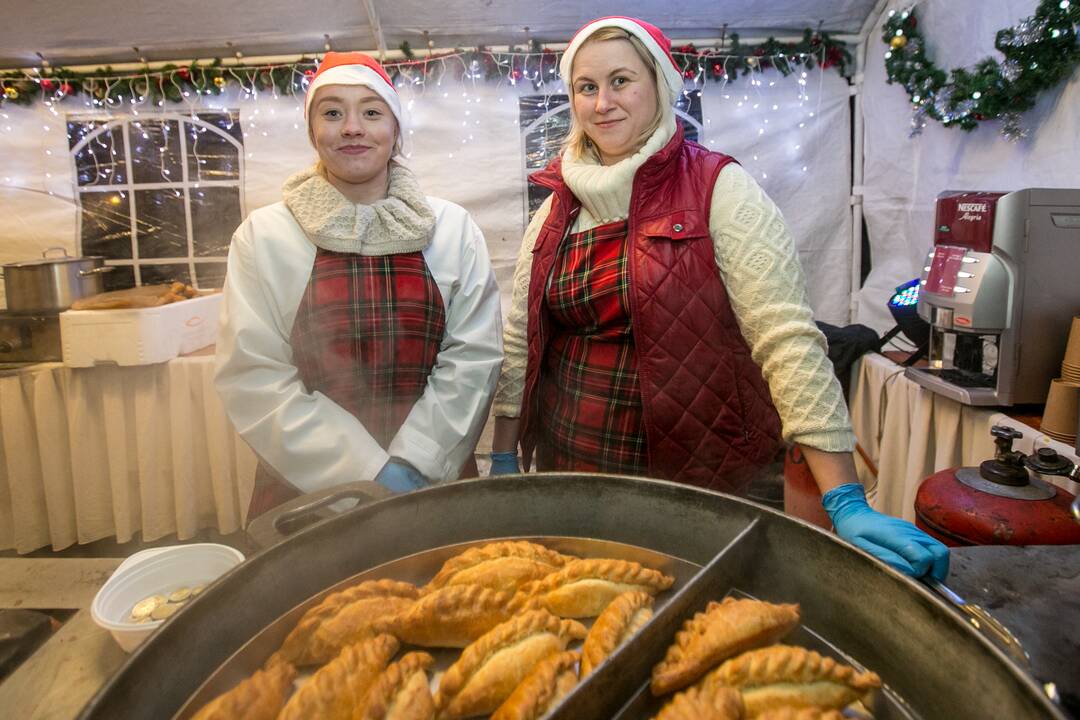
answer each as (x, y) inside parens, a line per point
(833, 152)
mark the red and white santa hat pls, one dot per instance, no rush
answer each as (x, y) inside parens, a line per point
(658, 45)
(355, 68)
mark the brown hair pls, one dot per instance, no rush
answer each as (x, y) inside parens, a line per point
(576, 141)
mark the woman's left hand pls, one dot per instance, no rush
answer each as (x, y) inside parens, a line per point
(893, 541)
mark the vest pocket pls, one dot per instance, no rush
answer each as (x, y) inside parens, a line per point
(677, 225)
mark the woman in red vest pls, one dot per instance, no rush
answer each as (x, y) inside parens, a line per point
(361, 332)
(659, 323)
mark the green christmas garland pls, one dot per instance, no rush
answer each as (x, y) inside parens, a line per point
(182, 83)
(1039, 52)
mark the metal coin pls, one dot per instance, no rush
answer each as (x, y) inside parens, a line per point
(163, 611)
(197, 589)
(179, 595)
(146, 606)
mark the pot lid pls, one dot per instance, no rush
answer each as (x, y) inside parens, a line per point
(54, 261)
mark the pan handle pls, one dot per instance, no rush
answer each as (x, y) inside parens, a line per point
(282, 521)
(97, 271)
(984, 622)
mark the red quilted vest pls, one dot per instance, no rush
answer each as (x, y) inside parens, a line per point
(709, 420)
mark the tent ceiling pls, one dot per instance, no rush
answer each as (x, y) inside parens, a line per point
(101, 31)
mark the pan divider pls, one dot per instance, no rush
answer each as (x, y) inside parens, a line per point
(627, 671)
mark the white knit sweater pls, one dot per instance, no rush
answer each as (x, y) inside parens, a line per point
(756, 257)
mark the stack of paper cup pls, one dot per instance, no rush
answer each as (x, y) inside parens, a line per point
(1060, 417)
(1070, 365)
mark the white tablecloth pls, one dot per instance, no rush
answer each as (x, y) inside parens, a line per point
(92, 453)
(910, 433)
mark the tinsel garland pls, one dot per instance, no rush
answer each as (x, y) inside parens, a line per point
(1039, 52)
(534, 64)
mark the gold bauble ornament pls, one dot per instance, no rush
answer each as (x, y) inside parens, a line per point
(219, 81)
(11, 93)
(898, 42)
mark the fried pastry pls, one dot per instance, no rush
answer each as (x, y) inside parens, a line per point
(344, 618)
(454, 616)
(623, 617)
(401, 692)
(259, 697)
(338, 689)
(583, 588)
(500, 566)
(542, 689)
(724, 630)
(802, 713)
(714, 702)
(489, 669)
(782, 675)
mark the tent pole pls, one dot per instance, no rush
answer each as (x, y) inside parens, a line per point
(858, 157)
(376, 28)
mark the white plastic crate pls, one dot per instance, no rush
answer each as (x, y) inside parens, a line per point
(138, 336)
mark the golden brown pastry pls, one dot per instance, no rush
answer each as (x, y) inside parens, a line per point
(803, 713)
(724, 630)
(542, 689)
(401, 692)
(344, 618)
(583, 588)
(500, 566)
(259, 697)
(454, 616)
(623, 617)
(338, 689)
(489, 669)
(781, 675)
(714, 702)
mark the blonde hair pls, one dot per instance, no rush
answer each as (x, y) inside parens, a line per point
(576, 141)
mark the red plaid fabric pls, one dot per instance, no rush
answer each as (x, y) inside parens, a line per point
(367, 334)
(591, 417)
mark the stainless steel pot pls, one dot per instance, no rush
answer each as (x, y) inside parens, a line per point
(926, 653)
(51, 284)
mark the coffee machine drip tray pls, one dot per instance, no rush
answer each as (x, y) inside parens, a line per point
(964, 387)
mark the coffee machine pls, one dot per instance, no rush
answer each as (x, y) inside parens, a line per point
(999, 289)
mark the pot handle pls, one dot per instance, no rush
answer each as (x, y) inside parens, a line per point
(46, 251)
(96, 271)
(280, 522)
(984, 622)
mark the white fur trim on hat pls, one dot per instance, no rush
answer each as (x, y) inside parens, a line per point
(357, 75)
(673, 78)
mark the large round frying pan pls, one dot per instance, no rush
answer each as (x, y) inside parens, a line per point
(926, 654)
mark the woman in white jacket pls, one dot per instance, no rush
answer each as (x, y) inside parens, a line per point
(360, 332)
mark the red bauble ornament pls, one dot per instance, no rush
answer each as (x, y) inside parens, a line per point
(717, 69)
(47, 85)
(184, 73)
(309, 73)
(912, 22)
(67, 88)
(516, 74)
(689, 73)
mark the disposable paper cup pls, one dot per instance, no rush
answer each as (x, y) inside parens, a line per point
(154, 572)
(1060, 416)
(1072, 350)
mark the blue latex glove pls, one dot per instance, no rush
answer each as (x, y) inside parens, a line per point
(504, 463)
(893, 541)
(398, 476)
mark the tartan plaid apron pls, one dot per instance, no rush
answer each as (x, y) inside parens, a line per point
(591, 417)
(367, 335)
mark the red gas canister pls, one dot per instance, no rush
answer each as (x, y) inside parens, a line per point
(1001, 502)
